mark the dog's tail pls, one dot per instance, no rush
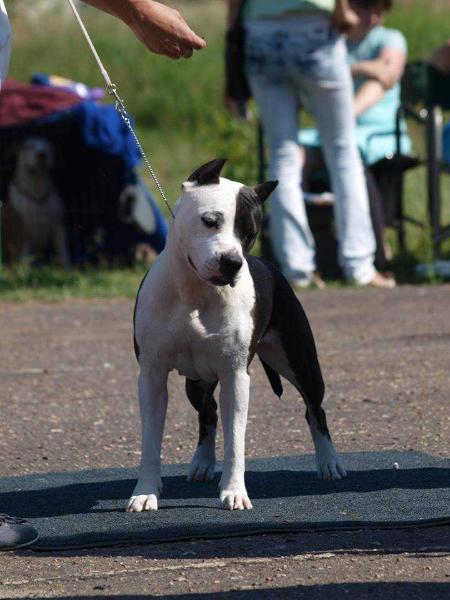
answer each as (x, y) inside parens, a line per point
(273, 378)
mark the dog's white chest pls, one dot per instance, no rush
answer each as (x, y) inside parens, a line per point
(195, 344)
(199, 344)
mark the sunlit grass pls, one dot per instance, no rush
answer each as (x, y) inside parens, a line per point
(180, 118)
(53, 283)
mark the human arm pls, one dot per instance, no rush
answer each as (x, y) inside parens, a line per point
(160, 28)
(233, 9)
(386, 69)
(234, 107)
(369, 94)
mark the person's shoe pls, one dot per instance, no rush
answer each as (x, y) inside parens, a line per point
(314, 281)
(16, 533)
(382, 281)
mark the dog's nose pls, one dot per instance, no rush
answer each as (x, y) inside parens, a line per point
(230, 264)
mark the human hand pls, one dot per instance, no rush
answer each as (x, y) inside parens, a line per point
(344, 19)
(162, 29)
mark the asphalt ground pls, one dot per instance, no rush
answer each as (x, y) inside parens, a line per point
(68, 402)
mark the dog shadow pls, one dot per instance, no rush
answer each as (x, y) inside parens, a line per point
(84, 497)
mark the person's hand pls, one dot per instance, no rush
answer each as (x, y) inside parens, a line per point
(344, 19)
(163, 30)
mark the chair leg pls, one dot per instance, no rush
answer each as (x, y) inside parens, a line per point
(398, 182)
(434, 127)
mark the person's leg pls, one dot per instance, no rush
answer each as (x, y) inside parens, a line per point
(292, 240)
(328, 86)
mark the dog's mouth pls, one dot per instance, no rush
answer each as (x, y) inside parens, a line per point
(192, 264)
(215, 280)
(221, 281)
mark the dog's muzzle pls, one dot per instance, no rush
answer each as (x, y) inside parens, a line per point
(229, 265)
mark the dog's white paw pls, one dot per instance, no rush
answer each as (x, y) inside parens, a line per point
(142, 502)
(145, 495)
(202, 465)
(330, 466)
(235, 499)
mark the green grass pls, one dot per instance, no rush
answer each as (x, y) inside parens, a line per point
(178, 110)
(53, 283)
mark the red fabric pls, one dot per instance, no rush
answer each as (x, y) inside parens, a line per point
(23, 102)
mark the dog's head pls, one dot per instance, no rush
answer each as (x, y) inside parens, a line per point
(217, 221)
(134, 208)
(36, 156)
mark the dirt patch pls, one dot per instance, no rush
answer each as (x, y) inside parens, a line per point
(68, 401)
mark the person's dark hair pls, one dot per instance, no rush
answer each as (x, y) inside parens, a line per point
(383, 4)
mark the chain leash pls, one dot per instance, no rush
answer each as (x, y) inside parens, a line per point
(111, 88)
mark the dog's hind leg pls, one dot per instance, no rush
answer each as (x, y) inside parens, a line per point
(288, 348)
(200, 394)
(153, 405)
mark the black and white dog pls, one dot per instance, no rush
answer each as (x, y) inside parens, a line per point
(205, 308)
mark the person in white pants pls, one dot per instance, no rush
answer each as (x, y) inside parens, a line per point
(295, 55)
(163, 31)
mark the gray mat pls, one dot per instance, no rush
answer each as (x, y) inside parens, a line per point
(85, 509)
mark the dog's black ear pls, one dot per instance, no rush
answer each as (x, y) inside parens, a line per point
(263, 190)
(208, 173)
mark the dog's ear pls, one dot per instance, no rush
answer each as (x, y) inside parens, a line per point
(263, 190)
(208, 173)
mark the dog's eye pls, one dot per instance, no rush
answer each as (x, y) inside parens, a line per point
(209, 222)
(212, 220)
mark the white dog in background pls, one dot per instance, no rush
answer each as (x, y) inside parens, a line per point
(33, 195)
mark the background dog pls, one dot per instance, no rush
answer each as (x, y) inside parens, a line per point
(206, 308)
(33, 196)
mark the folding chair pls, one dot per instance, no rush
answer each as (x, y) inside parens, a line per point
(389, 172)
(425, 92)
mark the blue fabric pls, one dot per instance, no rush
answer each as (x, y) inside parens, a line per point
(103, 129)
(376, 126)
(372, 143)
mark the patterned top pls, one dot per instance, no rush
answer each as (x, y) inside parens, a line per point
(5, 42)
(260, 9)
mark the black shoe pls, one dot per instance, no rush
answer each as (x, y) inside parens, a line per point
(15, 533)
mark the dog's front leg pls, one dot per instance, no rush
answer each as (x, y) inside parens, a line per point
(234, 396)
(153, 406)
(61, 245)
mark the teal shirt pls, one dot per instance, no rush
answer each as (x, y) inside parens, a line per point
(369, 48)
(376, 125)
(259, 9)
